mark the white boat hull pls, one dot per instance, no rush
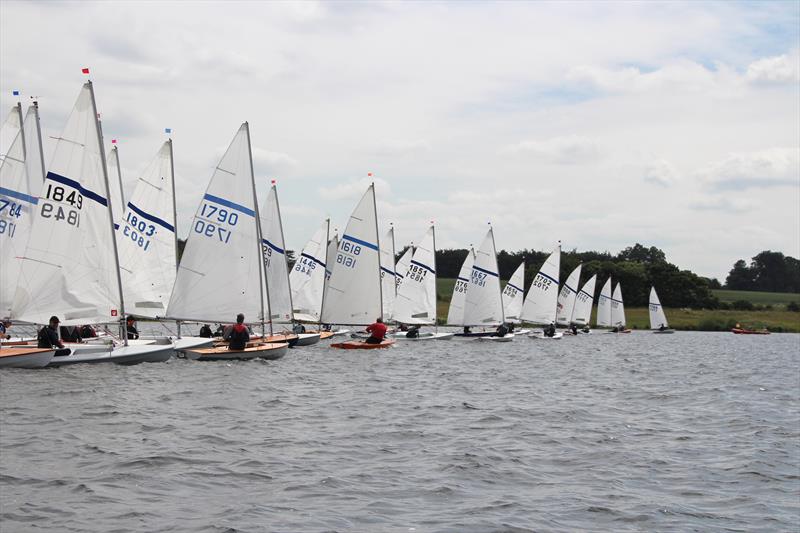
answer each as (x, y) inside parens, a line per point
(508, 337)
(183, 344)
(126, 355)
(664, 331)
(540, 335)
(307, 339)
(401, 336)
(25, 357)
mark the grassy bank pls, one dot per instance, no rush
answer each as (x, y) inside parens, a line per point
(777, 319)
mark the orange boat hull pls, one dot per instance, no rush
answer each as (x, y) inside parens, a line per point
(361, 345)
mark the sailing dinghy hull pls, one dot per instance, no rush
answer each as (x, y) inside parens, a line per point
(25, 357)
(126, 355)
(508, 337)
(270, 350)
(739, 331)
(307, 339)
(361, 345)
(401, 336)
(664, 331)
(542, 336)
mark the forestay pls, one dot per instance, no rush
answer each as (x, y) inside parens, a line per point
(416, 297)
(540, 303)
(513, 295)
(657, 317)
(354, 290)
(307, 278)
(604, 305)
(275, 263)
(483, 305)
(69, 268)
(401, 269)
(582, 312)
(567, 297)
(220, 273)
(617, 307)
(118, 204)
(388, 276)
(455, 315)
(146, 238)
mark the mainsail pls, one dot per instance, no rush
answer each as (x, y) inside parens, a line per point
(513, 295)
(582, 312)
(354, 290)
(567, 296)
(115, 183)
(221, 270)
(416, 297)
(69, 267)
(657, 317)
(617, 307)
(388, 276)
(401, 268)
(604, 305)
(275, 262)
(146, 238)
(307, 278)
(540, 303)
(483, 304)
(455, 315)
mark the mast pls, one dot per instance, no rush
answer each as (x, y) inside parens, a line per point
(285, 258)
(261, 273)
(436, 291)
(22, 131)
(494, 251)
(174, 215)
(119, 177)
(325, 271)
(39, 135)
(378, 243)
(394, 263)
(123, 332)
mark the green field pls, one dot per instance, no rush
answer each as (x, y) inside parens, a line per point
(777, 319)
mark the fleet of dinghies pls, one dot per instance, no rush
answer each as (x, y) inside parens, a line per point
(73, 246)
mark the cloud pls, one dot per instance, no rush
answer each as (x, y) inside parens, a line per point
(780, 69)
(726, 205)
(660, 172)
(270, 163)
(568, 150)
(355, 189)
(773, 167)
(399, 148)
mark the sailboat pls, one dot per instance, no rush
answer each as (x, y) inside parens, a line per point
(618, 311)
(416, 297)
(513, 296)
(582, 312)
(70, 265)
(658, 320)
(401, 268)
(542, 298)
(332, 251)
(483, 303)
(307, 278)
(603, 319)
(353, 295)
(221, 272)
(388, 275)
(567, 298)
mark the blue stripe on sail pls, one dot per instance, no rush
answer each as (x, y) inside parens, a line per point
(618, 301)
(604, 296)
(359, 241)
(421, 265)
(548, 277)
(228, 203)
(151, 218)
(570, 288)
(313, 259)
(479, 269)
(75, 185)
(265, 241)
(19, 195)
(462, 279)
(586, 293)
(657, 305)
(116, 226)
(387, 271)
(514, 287)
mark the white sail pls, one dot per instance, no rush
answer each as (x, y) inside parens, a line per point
(416, 297)
(275, 261)
(401, 268)
(115, 183)
(604, 305)
(307, 278)
(657, 316)
(34, 155)
(10, 129)
(146, 239)
(513, 295)
(617, 307)
(69, 268)
(567, 296)
(388, 276)
(354, 290)
(582, 312)
(220, 274)
(540, 303)
(455, 314)
(330, 258)
(483, 305)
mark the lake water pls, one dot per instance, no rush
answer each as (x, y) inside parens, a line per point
(639, 432)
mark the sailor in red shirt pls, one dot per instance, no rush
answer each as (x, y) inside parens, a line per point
(377, 332)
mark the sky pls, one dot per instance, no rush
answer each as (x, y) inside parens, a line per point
(600, 124)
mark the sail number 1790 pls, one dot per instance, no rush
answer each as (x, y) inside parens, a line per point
(213, 221)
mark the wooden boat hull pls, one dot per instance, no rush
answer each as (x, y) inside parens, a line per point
(361, 345)
(740, 331)
(270, 350)
(325, 335)
(25, 357)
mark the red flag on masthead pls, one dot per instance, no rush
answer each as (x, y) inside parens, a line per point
(85, 70)
(113, 141)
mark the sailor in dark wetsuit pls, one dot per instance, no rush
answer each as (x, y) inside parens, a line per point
(48, 335)
(133, 333)
(412, 332)
(206, 332)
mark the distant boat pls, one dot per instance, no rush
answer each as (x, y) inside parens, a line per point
(514, 294)
(401, 268)
(603, 318)
(567, 298)
(618, 311)
(582, 312)
(743, 331)
(307, 278)
(388, 275)
(542, 299)
(483, 303)
(658, 320)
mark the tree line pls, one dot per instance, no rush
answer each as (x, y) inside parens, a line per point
(768, 271)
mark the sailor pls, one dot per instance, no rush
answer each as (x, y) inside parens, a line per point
(299, 328)
(206, 332)
(662, 327)
(70, 334)
(220, 331)
(550, 331)
(88, 331)
(4, 325)
(510, 327)
(377, 332)
(502, 331)
(467, 330)
(48, 335)
(237, 336)
(412, 332)
(133, 333)
(574, 329)
(586, 329)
